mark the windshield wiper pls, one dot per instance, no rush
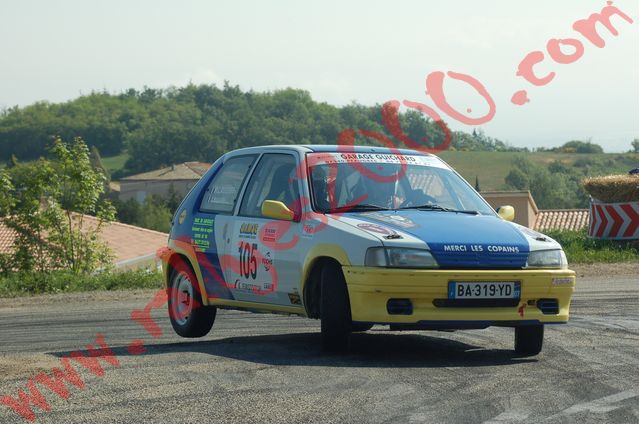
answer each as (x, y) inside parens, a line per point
(361, 207)
(432, 207)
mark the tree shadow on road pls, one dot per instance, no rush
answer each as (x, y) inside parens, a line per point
(372, 349)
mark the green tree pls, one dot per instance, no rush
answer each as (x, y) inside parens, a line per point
(635, 145)
(50, 201)
(96, 162)
(6, 193)
(155, 215)
(13, 162)
(29, 217)
(559, 189)
(518, 179)
(6, 204)
(200, 122)
(78, 193)
(173, 199)
(128, 211)
(578, 146)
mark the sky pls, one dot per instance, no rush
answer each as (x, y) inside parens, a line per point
(367, 52)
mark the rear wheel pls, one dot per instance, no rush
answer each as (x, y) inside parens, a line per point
(335, 309)
(529, 339)
(189, 317)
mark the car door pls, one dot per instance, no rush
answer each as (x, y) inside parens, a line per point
(268, 267)
(213, 221)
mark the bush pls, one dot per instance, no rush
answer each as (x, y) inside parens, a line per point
(580, 248)
(29, 283)
(154, 213)
(551, 187)
(577, 146)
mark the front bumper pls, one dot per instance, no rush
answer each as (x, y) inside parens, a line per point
(370, 290)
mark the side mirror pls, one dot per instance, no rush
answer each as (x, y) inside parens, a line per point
(506, 212)
(277, 210)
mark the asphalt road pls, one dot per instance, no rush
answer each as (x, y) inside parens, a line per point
(269, 368)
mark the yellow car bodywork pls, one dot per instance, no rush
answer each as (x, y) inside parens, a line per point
(370, 289)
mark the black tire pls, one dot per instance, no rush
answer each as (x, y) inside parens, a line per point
(184, 289)
(335, 309)
(360, 327)
(529, 339)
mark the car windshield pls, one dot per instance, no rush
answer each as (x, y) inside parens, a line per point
(343, 182)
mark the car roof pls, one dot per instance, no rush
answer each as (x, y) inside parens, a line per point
(326, 148)
(359, 149)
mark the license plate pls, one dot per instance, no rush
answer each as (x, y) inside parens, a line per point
(484, 290)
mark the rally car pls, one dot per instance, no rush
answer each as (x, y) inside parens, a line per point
(356, 237)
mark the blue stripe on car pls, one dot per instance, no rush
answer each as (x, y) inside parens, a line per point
(460, 240)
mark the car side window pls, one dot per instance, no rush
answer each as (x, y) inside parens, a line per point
(222, 192)
(273, 179)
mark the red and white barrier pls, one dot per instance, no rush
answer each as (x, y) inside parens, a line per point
(618, 221)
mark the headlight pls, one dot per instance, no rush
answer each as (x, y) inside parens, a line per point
(397, 257)
(547, 259)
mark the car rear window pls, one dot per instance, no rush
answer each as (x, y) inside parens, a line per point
(222, 192)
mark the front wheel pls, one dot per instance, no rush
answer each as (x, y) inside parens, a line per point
(529, 339)
(360, 327)
(189, 317)
(335, 309)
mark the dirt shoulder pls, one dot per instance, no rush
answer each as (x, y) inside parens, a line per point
(603, 270)
(78, 297)
(582, 270)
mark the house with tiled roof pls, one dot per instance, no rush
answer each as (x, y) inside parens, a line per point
(529, 215)
(562, 219)
(180, 178)
(7, 236)
(132, 247)
(526, 210)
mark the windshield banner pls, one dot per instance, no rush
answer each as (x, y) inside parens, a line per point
(336, 158)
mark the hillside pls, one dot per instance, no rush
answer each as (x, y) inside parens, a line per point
(138, 131)
(492, 167)
(157, 127)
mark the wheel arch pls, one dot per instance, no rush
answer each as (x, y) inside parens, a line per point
(176, 256)
(318, 257)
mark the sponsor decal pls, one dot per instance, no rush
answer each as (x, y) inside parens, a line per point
(207, 222)
(463, 248)
(312, 225)
(562, 281)
(308, 230)
(480, 248)
(374, 158)
(248, 230)
(202, 229)
(532, 233)
(521, 310)
(269, 234)
(243, 285)
(503, 249)
(374, 228)
(267, 261)
(400, 221)
(182, 217)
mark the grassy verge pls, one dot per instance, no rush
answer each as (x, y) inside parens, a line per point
(581, 249)
(25, 284)
(115, 163)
